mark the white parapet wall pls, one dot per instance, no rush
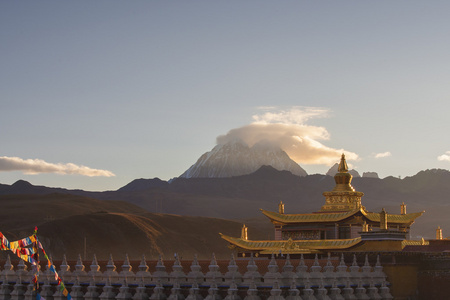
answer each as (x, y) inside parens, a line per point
(279, 279)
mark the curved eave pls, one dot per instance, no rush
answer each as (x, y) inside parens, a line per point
(415, 243)
(396, 219)
(338, 216)
(270, 246)
(307, 218)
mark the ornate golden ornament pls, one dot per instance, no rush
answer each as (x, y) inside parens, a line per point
(289, 245)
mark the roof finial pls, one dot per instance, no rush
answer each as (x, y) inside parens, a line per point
(383, 220)
(403, 208)
(244, 232)
(439, 233)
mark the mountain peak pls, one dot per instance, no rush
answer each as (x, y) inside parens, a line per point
(370, 175)
(269, 172)
(21, 184)
(236, 158)
(434, 171)
(143, 184)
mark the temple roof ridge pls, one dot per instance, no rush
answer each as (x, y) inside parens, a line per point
(291, 246)
(327, 216)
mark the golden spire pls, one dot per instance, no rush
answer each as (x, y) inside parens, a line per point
(343, 197)
(343, 168)
(343, 178)
(281, 207)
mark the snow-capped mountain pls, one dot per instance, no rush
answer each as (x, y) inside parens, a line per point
(237, 158)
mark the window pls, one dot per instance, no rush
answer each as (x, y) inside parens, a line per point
(344, 232)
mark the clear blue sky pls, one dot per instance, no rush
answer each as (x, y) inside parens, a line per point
(142, 88)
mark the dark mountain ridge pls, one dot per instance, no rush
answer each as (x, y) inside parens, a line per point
(269, 185)
(241, 197)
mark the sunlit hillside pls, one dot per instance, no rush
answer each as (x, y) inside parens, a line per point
(66, 223)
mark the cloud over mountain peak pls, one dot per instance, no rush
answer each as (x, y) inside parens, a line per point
(287, 129)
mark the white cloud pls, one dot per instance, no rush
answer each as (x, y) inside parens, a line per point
(383, 154)
(287, 129)
(37, 166)
(444, 157)
(296, 115)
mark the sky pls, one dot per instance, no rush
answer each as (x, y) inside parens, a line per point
(95, 94)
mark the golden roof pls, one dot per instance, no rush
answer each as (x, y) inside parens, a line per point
(402, 219)
(386, 245)
(291, 246)
(415, 243)
(308, 218)
(338, 216)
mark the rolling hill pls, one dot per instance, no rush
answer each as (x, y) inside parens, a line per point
(66, 221)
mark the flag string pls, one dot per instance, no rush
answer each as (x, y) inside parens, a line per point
(27, 249)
